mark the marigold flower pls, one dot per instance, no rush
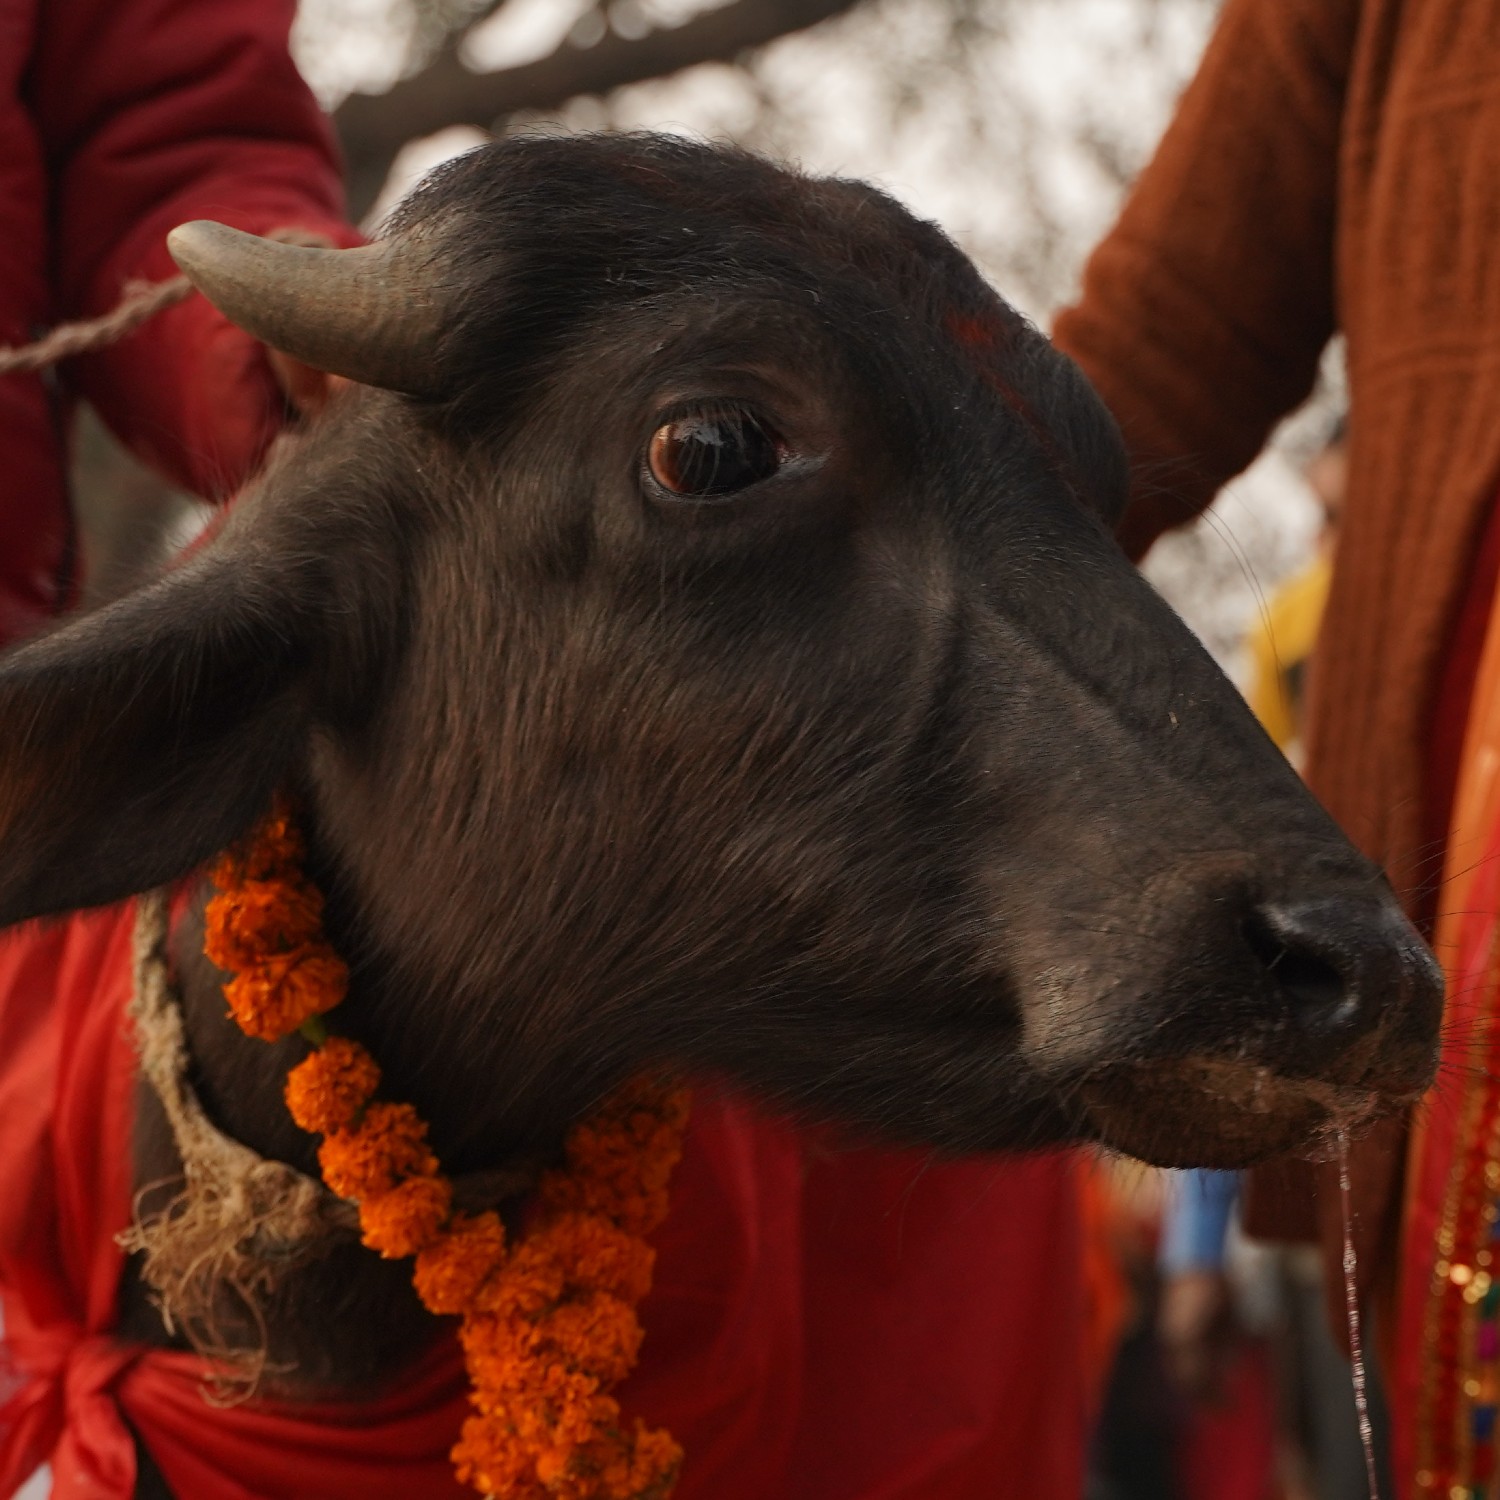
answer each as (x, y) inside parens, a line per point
(569, 1463)
(450, 1271)
(401, 1222)
(328, 1088)
(273, 999)
(596, 1335)
(532, 1281)
(599, 1256)
(641, 1465)
(557, 1413)
(498, 1353)
(655, 1460)
(274, 847)
(388, 1146)
(620, 1160)
(250, 922)
(486, 1456)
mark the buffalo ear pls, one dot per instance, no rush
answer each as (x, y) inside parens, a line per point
(138, 741)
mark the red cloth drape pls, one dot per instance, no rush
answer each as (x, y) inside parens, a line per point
(827, 1324)
(1423, 1378)
(1464, 739)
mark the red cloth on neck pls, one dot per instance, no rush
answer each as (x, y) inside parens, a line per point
(826, 1325)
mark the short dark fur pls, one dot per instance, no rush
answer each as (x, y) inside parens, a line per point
(886, 789)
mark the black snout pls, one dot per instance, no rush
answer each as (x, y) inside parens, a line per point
(1343, 968)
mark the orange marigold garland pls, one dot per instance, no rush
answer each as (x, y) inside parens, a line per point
(265, 927)
(549, 1325)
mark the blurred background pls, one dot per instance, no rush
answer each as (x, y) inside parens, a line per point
(1018, 126)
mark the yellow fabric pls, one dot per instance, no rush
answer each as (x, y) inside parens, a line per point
(1282, 644)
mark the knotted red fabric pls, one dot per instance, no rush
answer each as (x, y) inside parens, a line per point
(827, 1324)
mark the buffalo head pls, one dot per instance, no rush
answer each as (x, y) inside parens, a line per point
(700, 639)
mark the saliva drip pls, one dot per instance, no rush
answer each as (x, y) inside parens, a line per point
(1351, 1309)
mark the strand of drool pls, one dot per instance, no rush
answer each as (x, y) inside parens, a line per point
(1351, 1308)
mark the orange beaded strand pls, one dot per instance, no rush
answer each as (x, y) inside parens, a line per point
(549, 1326)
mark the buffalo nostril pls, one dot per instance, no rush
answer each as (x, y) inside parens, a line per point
(1347, 991)
(1305, 968)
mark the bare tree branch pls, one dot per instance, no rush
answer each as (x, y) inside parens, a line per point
(374, 127)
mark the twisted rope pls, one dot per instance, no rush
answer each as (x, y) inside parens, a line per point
(140, 302)
(238, 1224)
(218, 1241)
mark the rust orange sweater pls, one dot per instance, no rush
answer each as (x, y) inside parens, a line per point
(1334, 165)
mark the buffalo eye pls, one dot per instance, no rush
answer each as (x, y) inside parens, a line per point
(713, 453)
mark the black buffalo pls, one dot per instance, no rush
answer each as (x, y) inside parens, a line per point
(700, 641)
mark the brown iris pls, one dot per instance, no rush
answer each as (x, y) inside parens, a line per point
(713, 453)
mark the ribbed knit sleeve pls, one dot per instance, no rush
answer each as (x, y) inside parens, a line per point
(1204, 311)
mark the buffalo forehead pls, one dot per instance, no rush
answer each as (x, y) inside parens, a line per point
(625, 217)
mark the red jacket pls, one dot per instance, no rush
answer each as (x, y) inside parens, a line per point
(118, 120)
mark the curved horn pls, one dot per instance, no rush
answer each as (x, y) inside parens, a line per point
(349, 312)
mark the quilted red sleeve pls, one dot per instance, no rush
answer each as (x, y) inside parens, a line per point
(153, 112)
